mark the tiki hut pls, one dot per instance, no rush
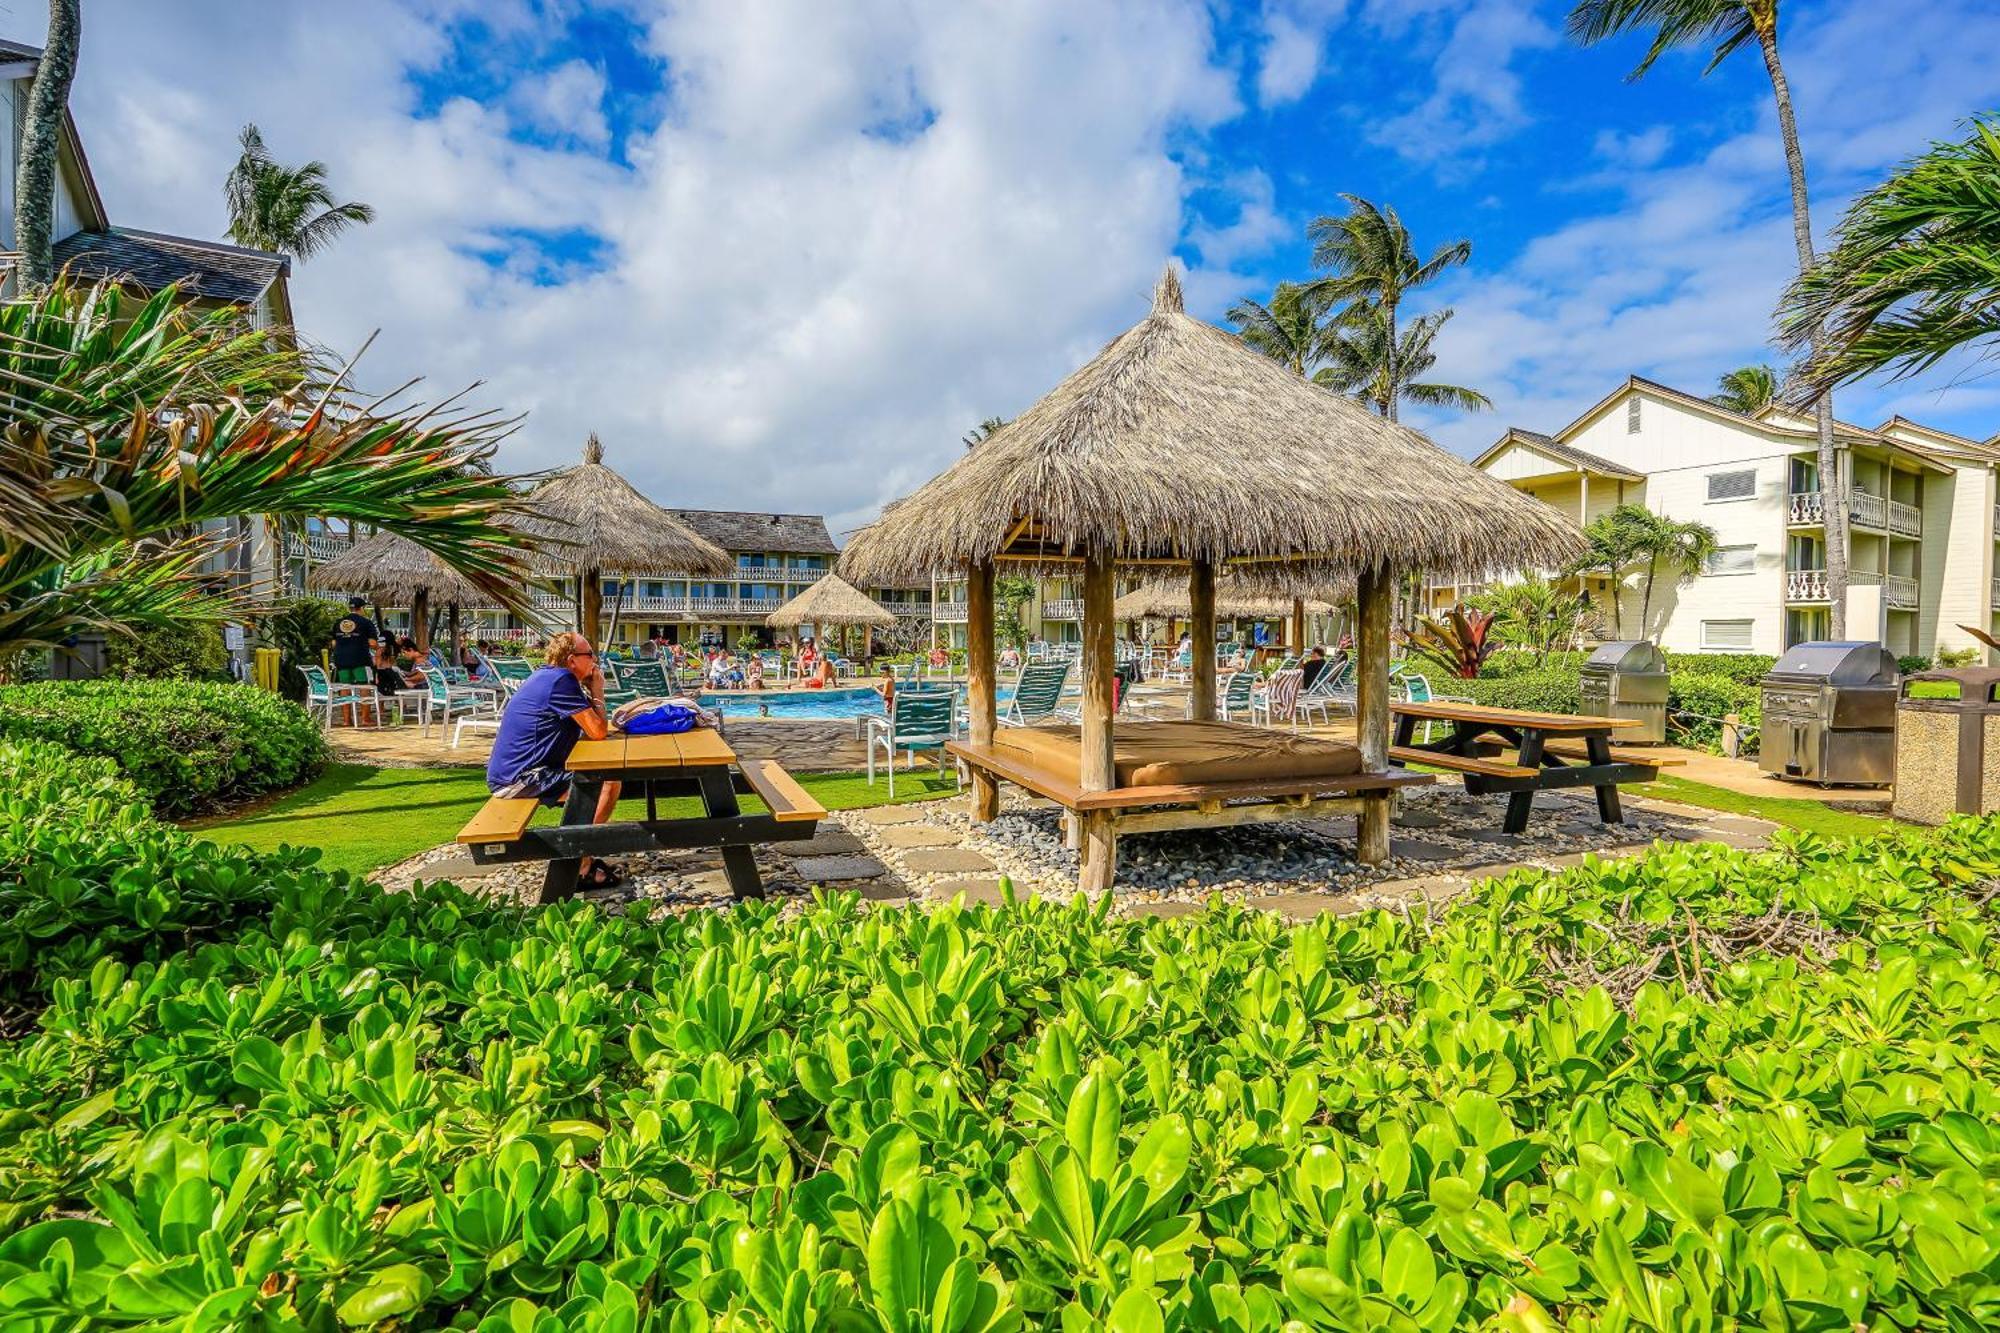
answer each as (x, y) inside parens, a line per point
(587, 519)
(1236, 598)
(834, 601)
(387, 568)
(1178, 446)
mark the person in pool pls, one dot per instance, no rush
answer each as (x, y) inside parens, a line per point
(886, 687)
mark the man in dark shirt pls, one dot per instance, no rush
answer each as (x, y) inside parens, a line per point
(1311, 669)
(354, 646)
(551, 710)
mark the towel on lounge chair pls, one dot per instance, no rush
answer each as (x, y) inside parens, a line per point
(632, 716)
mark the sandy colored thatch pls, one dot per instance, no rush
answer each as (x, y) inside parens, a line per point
(588, 517)
(1179, 442)
(1234, 599)
(393, 569)
(831, 601)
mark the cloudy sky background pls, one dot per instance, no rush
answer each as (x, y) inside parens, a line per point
(783, 255)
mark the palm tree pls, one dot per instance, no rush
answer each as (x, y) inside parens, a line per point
(1746, 389)
(982, 430)
(1726, 26)
(1371, 259)
(41, 138)
(1291, 330)
(287, 210)
(1914, 272)
(1361, 362)
(131, 424)
(1683, 548)
(1610, 544)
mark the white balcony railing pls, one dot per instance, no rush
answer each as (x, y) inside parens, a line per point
(1805, 585)
(1874, 512)
(316, 546)
(950, 612)
(1996, 592)
(1899, 591)
(1063, 608)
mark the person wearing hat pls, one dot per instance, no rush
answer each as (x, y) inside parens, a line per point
(354, 646)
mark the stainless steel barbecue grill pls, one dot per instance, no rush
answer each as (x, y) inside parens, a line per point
(1830, 715)
(1627, 679)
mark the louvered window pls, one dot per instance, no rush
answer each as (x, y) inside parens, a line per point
(1732, 485)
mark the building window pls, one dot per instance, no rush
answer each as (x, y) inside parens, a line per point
(1632, 417)
(1726, 636)
(1732, 485)
(1732, 560)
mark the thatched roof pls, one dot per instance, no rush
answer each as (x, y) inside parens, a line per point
(588, 517)
(831, 601)
(1234, 598)
(394, 569)
(1178, 441)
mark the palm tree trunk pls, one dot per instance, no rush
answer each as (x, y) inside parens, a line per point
(1389, 361)
(41, 139)
(1832, 504)
(1617, 602)
(1646, 603)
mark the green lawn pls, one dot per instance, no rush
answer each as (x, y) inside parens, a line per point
(364, 818)
(1811, 816)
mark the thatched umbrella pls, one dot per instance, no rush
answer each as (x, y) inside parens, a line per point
(588, 519)
(387, 568)
(1167, 599)
(834, 601)
(1178, 445)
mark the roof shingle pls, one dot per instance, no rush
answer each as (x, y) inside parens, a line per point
(207, 269)
(738, 531)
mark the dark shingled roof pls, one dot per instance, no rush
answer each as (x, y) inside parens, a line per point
(1548, 444)
(735, 531)
(208, 269)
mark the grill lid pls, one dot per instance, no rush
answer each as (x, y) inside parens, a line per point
(1627, 655)
(1853, 664)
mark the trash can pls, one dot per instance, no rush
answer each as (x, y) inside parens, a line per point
(1627, 679)
(1948, 745)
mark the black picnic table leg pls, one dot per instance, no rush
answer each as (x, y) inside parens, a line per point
(739, 863)
(1608, 807)
(1406, 729)
(1520, 803)
(559, 876)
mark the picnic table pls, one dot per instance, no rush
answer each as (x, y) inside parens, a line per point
(1551, 750)
(690, 763)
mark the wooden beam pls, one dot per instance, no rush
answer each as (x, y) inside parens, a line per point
(1374, 590)
(1201, 630)
(980, 685)
(420, 619)
(1299, 626)
(590, 606)
(1097, 773)
(1228, 816)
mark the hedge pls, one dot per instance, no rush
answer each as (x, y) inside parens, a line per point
(1700, 686)
(186, 745)
(1701, 1089)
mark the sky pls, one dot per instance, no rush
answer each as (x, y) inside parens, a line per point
(782, 256)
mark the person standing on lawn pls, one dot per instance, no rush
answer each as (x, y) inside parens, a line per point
(556, 706)
(354, 646)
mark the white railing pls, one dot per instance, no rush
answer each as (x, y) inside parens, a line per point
(1996, 592)
(1805, 585)
(1808, 509)
(1805, 508)
(1900, 591)
(1905, 520)
(1063, 608)
(1996, 522)
(950, 612)
(316, 545)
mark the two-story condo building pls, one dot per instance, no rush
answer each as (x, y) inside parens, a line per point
(1921, 506)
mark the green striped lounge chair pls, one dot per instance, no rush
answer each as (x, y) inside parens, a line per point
(1233, 699)
(1037, 694)
(917, 720)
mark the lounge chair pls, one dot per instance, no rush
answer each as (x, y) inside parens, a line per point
(1334, 688)
(1038, 693)
(444, 701)
(323, 698)
(1416, 689)
(917, 720)
(1280, 700)
(1233, 698)
(1180, 668)
(647, 678)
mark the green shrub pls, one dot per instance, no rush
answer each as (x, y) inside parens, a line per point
(1697, 702)
(300, 629)
(1734, 1090)
(1550, 690)
(186, 745)
(1520, 662)
(196, 653)
(1911, 665)
(1745, 668)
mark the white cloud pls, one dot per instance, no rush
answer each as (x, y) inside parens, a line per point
(1293, 47)
(1476, 95)
(566, 101)
(1258, 225)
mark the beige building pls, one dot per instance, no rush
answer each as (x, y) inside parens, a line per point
(1921, 504)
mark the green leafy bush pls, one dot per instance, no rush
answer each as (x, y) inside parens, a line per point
(1550, 690)
(189, 653)
(300, 628)
(1703, 1089)
(1744, 668)
(1911, 665)
(1698, 702)
(186, 745)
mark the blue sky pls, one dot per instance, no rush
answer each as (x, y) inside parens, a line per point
(781, 255)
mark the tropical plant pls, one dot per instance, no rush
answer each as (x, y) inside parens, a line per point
(286, 210)
(1681, 547)
(299, 628)
(1371, 261)
(1747, 389)
(1291, 330)
(131, 423)
(196, 653)
(1533, 613)
(1726, 26)
(1610, 548)
(1360, 362)
(1457, 642)
(1010, 593)
(1914, 272)
(41, 144)
(982, 430)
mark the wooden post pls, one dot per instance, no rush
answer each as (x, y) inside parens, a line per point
(420, 619)
(979, 686)
(1100, 662)
(590, 606)
(1201, 630)
(867, 642)
(1371, 721)
(1299, 626)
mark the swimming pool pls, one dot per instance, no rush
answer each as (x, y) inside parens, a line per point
(806, 705)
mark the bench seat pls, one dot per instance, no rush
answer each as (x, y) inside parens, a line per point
(1459, 763)
(501, 819)
(789, 802)
(1620, 754)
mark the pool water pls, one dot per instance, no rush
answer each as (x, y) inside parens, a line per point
(805, 705)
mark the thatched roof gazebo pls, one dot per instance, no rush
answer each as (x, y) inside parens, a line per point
(834, 601)
(1178, 446)
(387, 568)
(1168, 599)
(587, 519)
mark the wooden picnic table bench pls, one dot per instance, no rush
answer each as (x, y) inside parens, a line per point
(1551, 750)
(690, 763)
